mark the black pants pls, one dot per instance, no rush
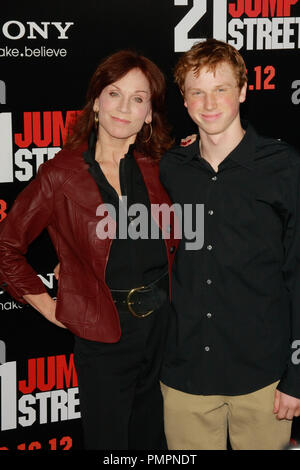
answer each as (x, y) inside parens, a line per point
(120, 398)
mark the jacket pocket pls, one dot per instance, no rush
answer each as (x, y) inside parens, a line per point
(77, 301)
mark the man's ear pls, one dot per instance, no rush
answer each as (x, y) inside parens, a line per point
(243, 93)
(184, 100)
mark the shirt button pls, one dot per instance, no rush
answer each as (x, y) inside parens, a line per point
(208, 281)
(209, 247)
(207, 348)
(210, 212)
(214, 178)
(172, 249)
(209, 315)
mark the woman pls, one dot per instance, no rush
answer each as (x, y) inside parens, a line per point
(113, 289)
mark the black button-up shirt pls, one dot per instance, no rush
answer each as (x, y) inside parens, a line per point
(237, 299)
(131, 262)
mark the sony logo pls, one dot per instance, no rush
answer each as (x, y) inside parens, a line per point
(16, 30)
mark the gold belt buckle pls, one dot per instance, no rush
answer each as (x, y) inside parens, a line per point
(129, 303)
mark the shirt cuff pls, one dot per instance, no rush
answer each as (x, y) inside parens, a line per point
(290, 381)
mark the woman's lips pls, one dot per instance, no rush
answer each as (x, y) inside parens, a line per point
(124, 121)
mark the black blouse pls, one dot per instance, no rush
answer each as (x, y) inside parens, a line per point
(132, 262)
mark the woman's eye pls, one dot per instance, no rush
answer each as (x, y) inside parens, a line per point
(138, 99)
(113, 93)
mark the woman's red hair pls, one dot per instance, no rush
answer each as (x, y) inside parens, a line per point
(109, 71)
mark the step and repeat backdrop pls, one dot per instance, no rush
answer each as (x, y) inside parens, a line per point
(48, 52)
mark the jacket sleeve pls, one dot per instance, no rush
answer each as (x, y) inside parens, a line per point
(29, 215)
(290, 382)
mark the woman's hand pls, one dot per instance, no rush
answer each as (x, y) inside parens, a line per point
(50, 315)
(188, 140)
(44, 304)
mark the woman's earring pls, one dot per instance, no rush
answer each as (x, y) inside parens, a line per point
(150, 134)
(96, 121)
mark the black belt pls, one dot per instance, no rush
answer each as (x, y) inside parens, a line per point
(142, 301)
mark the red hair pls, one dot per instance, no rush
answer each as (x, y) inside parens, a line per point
(111, 69)
(210, 54)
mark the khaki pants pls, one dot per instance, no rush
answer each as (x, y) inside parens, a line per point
(203, 422)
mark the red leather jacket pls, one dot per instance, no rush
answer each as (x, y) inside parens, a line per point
(64, 198)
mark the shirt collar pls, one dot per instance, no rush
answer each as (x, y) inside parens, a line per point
(89, 154)
(243, 153)
(191, 151)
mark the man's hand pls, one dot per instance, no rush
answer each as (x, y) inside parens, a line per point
(285, 406)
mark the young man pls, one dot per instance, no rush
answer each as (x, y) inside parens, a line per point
(232, 357)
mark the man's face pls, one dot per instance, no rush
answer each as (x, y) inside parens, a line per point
(213, 98)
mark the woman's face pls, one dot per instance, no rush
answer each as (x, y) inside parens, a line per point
(124, 106)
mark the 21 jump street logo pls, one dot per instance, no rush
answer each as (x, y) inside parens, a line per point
(13, 31)
(48, 394)
(252, 24)
(42, 136)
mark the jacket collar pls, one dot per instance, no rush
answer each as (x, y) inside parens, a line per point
(83, 190)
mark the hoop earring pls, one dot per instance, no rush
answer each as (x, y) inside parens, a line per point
(150, 135)
(96, 121)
